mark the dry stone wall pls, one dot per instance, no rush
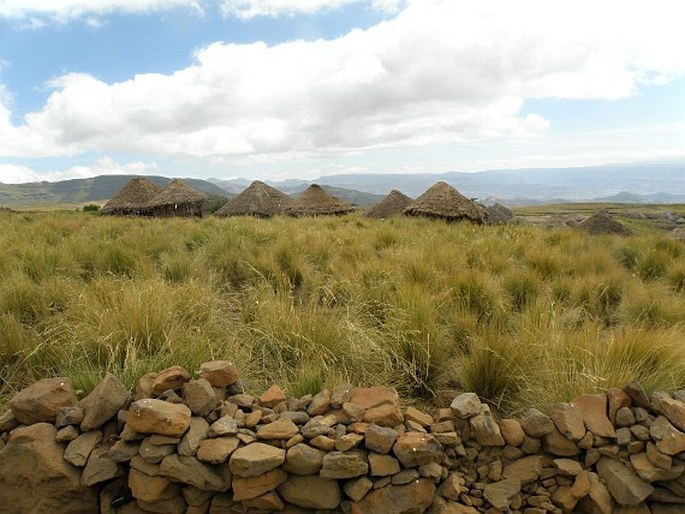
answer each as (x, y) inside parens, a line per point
(201, 445)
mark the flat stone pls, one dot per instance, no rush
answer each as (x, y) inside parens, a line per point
(297, 417)
(568, 467)
(637, 394)
(340, 395)
(405, 476)
(311, 492)
(272, 397)
(302, 459)
(344, 465)
(650, 473)
(123, 451)
(190, 471)
(556, 444)
(417, 416)
(318, 425)
(199, 396)
(525, 470)
(103, 402)
(669, 440)
(320, 403)
(40, 401)
(219, 373)
(151, 489)
(536, 424)
(65, 416)
(626, 487)
(383, 465)
(348, 442)
(190, 442)
(217, 450)
(67, 434)
(155, 453)
(171, 378)
(35, 478)
(660, 460)
(503, 493)
(415, 449)
(381, 405)
(255, 459)
(625, 417)
(100, 467)
(224, 426)
(282, 428)
(568, 419)
(8, 422)
(151, 416)
(380, 439)
(78, 450)
(414, 497)
(618, 399)
(674, 410)
(268, 502)
(593, 408)
(466, 405)
(253, 487)
(144, 387)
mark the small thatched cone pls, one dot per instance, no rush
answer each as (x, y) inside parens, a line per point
(601, 223)
(259, 199)
(177, 192)
(443, 201)
(498, 214)
(392, 205)
(314, 201)
(132, 198)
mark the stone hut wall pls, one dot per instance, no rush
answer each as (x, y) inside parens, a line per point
(184, 445)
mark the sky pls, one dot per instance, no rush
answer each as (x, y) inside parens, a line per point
(276, 89)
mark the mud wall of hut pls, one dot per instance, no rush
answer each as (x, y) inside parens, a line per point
(202, 445)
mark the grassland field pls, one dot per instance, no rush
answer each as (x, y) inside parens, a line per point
(520, 314)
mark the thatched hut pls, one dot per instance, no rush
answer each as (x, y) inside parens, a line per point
(177, 199)
(443, 201)
(602, 223)
(259, 199)
(392, 205)
(314, 201)
(499, 214)
(133, 198)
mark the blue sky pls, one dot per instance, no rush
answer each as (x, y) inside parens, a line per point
(300, 88)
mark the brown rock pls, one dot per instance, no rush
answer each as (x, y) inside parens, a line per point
(344, 465)
(593, 408)
(381, 405)
(380, 439)
(78, 450)
(660, 460)
(171, 378)
(311, 492)
(599, 497)
(512, 432)
(35, 478)
(272, 397)
(650, 473)
(568, 420)
(217, 450)
(123, 451)
(103, 402)
(568, 467)
(302, 459)
(485, 429)
(255, 459)
(144, 387)
(319, 403)
(356, 489)
(503, 493)
(151, 489)
(219, 373)
(155, 453)
(40, 402)
(536, 424)
(525, 470)
(624, 485)
(269, 502)
(190, 442)
(670, 440)
(100, 467)
(348, 442)
(417, 416)
(383, 465)
(637, 394)
(674, 410)
(618, 399)
(170, 506)
(466, 405)
(8, 422)
(556, 444)
(282, 428)
(252, 487)
(152, 416)
(199, 396)
(398, 499)
(190, 471)
(415, 449)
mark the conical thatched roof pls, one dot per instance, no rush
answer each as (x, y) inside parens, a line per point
(133, 197)
(601, 223)
(177, 192)
(499, 214)
(443, 201)
(391, 205)
(314, 201)
(259, 199)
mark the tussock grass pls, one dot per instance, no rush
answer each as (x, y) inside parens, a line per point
(519, 314)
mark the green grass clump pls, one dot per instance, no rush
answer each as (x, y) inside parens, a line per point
(522, 315)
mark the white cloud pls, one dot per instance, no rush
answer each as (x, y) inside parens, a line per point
(253, 8)
(18, 174)
(440, 72)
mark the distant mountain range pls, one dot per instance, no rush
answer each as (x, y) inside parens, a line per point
(658, 182)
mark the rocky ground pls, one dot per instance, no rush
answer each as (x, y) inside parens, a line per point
(201, 445)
